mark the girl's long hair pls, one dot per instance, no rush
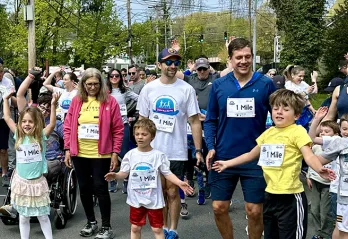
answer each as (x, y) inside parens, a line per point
(103, 91)
(35, 135)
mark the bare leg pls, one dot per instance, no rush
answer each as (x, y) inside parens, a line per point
(174, 205)
(255, 220)
(4, 160)
(158, 233)
(222, 219)
(135, 232)
(165, 209)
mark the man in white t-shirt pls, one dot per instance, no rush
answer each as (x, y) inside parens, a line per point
(170, 102)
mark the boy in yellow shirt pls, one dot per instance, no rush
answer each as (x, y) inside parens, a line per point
(280, 150)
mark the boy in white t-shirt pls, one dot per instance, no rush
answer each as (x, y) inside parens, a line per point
(144, 193)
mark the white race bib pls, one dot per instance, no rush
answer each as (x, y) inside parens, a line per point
(89, 131)
(271, 155)
(163, 122)
(240, 107)
(143, 179)
(123, 109)
(28, 153)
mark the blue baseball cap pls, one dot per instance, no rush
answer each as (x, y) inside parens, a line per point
(168, 52)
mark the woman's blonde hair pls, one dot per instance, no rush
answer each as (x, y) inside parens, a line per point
(35, 135)
(102, 95)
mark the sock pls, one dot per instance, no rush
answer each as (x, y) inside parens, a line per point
(172, 230)
(182, 201)
(165, 228)
(45, 224)
(24, 226)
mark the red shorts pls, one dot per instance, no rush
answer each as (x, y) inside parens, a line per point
(138, 216)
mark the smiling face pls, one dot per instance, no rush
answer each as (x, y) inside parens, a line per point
(283, 116)
(27, 123)
(344, 129)
(114, 78)
(298, 78)
(241, 61)
(169, 71)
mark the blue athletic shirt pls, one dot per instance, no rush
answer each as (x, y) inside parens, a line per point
(232, 137)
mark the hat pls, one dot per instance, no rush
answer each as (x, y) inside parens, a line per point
(168, 52)
(1, 61)
(333, 83)
(202, 62)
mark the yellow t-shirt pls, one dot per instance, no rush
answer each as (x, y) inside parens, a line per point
(285, 179)
(89, 114)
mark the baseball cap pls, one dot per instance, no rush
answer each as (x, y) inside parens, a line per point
(168, 52)
(333, 83)
(202, 62)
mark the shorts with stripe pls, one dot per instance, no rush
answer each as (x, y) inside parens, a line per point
(285, 216)
(342, 217)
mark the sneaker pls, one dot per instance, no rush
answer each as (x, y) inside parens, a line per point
(165, 231)
(192, 184)
(8, 211)
(113, 186)
(89, 229)
(184, 212)
(172, 235)
(207, 193)
(201, 198)
(5, 181)
(124, 188)
(105, 233)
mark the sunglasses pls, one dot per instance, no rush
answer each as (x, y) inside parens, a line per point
(124, 75)
(202, 69)
(114, 75)
(89, 85)
(132, 73)
(170, 62)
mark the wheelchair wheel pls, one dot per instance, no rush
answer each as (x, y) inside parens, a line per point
(9, 221)
(57, 221)
(71, 191)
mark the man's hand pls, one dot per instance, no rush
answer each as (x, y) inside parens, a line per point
(199, 158)
(209, 158)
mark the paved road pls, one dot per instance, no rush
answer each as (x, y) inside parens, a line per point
(199, 225)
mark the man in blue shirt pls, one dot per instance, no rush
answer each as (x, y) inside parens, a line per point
(237, 111)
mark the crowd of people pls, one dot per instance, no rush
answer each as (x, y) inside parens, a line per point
(155, 133)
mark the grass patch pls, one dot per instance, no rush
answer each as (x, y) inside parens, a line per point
(317, 99)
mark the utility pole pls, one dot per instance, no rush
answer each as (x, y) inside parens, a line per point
(30, 18)
(129, 32)
(254, 37)
(249, 17)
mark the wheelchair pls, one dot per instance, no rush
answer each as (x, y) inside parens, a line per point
(63, 194)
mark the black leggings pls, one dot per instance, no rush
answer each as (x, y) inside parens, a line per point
(91, 171)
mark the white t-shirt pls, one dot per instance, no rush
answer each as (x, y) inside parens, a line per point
(65, 99)
(169, 106)
(6, 86)
(297, 88)
(136, 163)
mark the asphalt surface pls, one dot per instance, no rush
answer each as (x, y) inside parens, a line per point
(200, 223)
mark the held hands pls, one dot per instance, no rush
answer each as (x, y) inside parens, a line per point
(219, 166)
(321, 113)
(110, 176)
(326, 173)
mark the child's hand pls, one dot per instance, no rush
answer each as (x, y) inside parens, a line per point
(9, 95)
(309, 183)
(219, 166)
(110, 176)
(326, 173)
(321, 112)
(186, 187)
(55, 98)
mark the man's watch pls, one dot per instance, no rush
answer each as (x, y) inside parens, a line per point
(199, 151)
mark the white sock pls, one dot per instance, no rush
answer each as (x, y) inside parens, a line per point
(24, 226)
(182, 200)
(45, 226)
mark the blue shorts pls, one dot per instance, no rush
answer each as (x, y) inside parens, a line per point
(223, 184)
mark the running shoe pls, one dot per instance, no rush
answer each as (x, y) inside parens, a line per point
(8, 211)
(105, 233)
(172, 235)
(125, 185)
(192, 184)
(165, 231)
(5, 181)
(201, 198)
(184, 212)
(113, 186)
(89, 229)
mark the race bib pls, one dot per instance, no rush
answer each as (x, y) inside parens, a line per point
(143, 179)
(123, 109)
(271, 155)
(344, 186)
(241, 107)
(163, 122)
(28, 153)
(89, 131)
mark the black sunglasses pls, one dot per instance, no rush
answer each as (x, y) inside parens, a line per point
(131, 73)
(124, 75)
(114, 75)
(170, 62)
(202, 69)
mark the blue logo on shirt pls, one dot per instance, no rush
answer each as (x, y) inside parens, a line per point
(66, 104)
(165, 105)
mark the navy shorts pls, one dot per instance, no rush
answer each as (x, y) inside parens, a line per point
(5, 132)
(223, 184)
